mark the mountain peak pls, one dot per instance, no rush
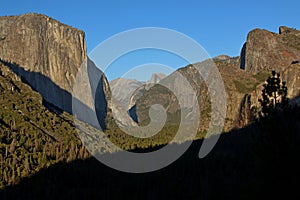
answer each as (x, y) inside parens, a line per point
(288, 30)
(267, 51)
(156, 77)
(222, 57)
(36, 18)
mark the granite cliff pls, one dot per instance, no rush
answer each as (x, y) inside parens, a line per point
(47, 55)
(265, 50)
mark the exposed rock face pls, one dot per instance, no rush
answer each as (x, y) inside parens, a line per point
(266, 51)
(123, 88)
(155, 78)
(229, 69)
(222, 57)
(251, 101)
(292, 77)
(47, 54)
(40, 44)
(124, 94)
(246, 112)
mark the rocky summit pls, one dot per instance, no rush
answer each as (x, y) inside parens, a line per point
(265, 50)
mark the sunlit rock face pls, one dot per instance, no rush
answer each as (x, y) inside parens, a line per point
(47, 55)
(265, 50)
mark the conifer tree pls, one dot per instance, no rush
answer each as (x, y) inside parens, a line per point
(274, 95)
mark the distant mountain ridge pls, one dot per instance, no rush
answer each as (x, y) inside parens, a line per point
(123, 93)
(155, 78)
(243, 76)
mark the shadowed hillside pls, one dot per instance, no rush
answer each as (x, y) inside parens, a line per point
(258, 161)
(32, 136)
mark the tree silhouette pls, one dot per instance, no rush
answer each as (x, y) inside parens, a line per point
(274, 95)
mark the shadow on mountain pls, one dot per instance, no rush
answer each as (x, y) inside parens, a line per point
(59, 100)
(258, 161)
(243, 57)
(133, 114)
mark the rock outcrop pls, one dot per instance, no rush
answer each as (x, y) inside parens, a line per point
(266, 51)
(155, 78)
(46, 54)
(292, 78)
(222, 57)
(124, 93)
(250, 103)
(122, 90)
(229, 69)
(40, 44)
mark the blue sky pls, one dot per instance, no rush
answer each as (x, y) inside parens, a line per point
(220, 27)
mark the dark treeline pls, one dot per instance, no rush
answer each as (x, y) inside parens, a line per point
(255, 162)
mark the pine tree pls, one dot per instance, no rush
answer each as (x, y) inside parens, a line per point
(274, 95)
